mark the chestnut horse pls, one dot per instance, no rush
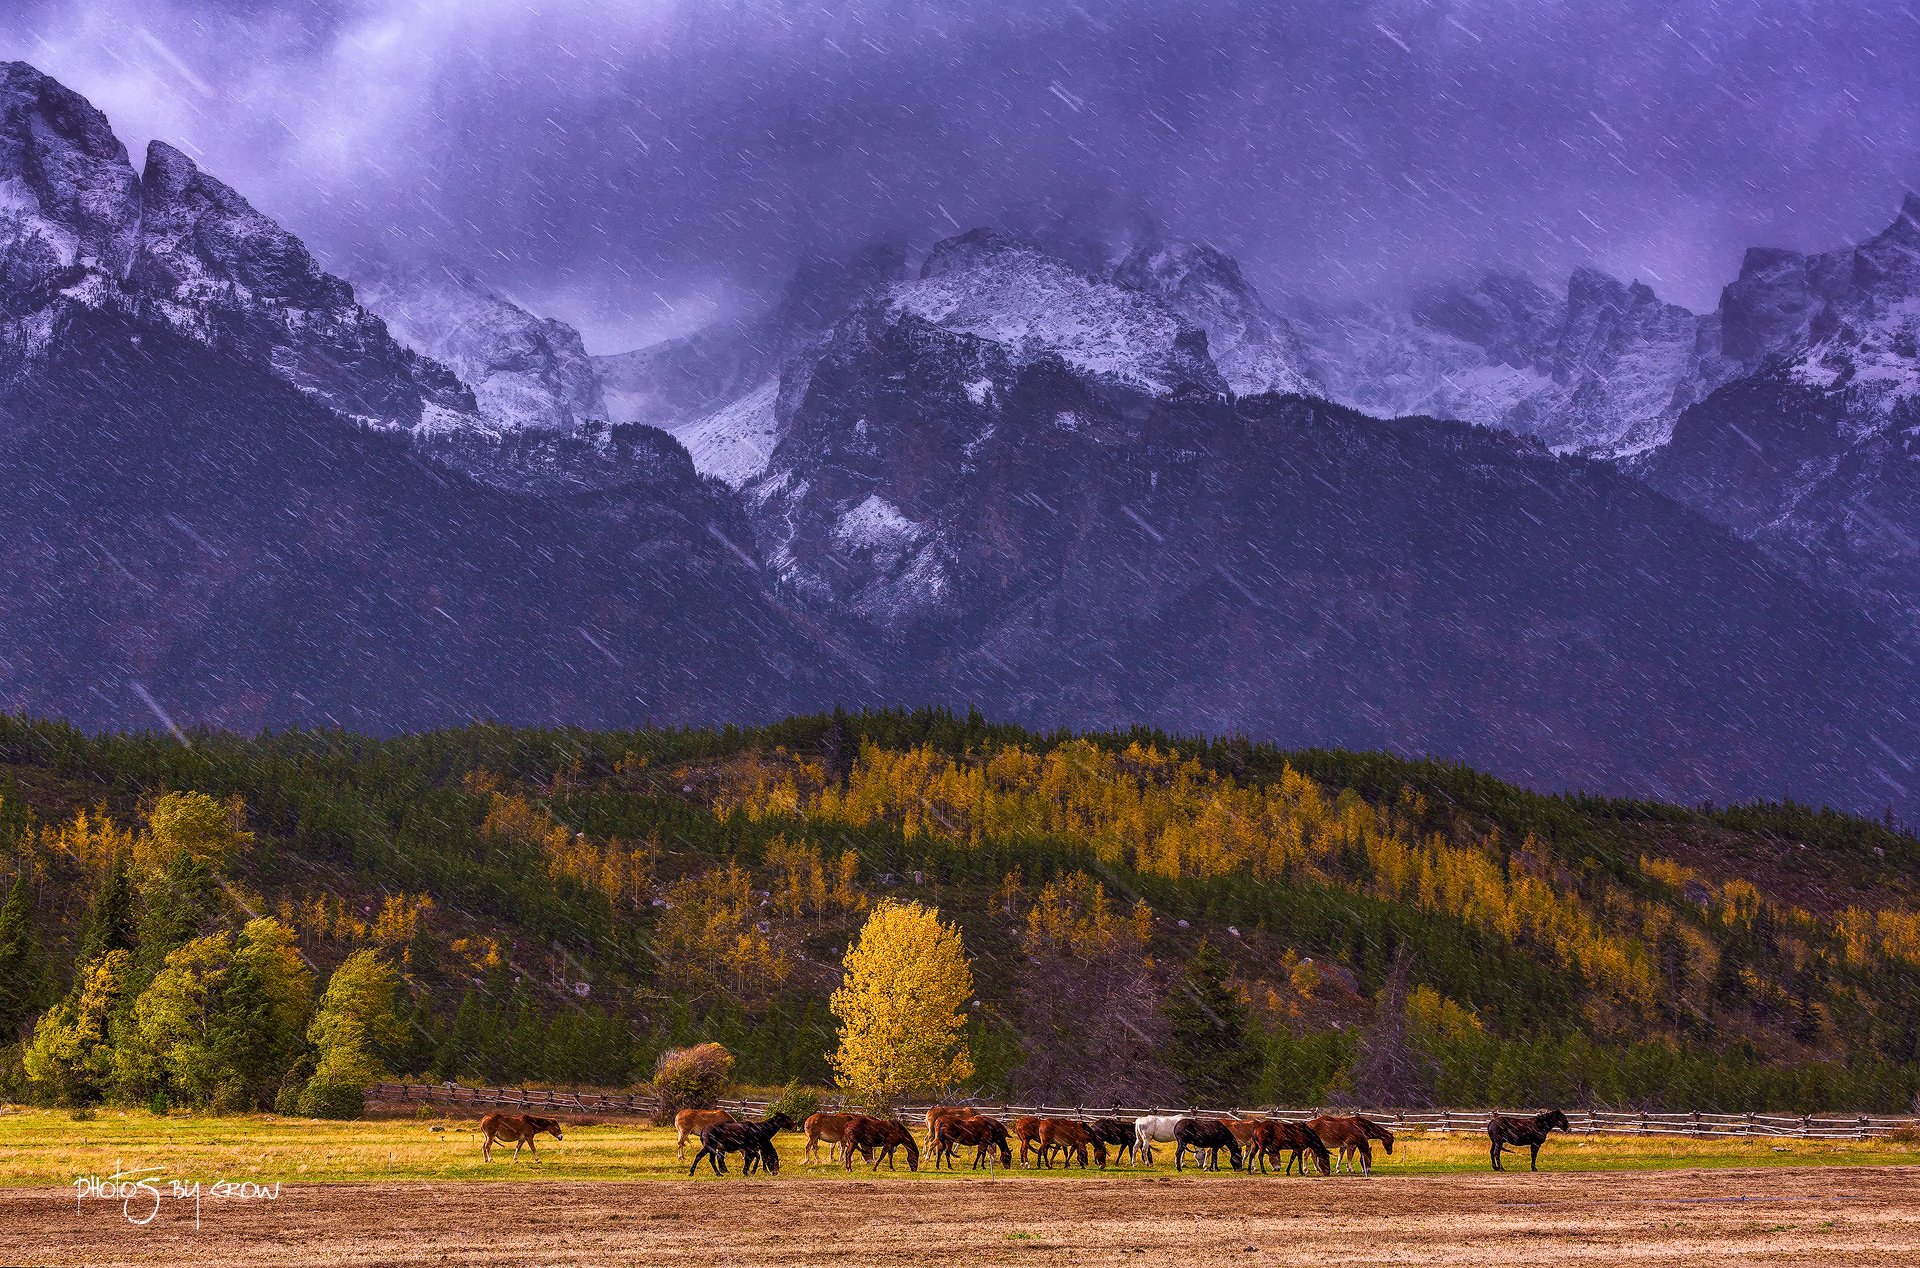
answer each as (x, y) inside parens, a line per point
(831, 1128)
(694, 1122)
(519, 1128)
(1352, 1135)
(937, 1112)
(1277, 1136)
(952, 1130)
(1507, 1132)
(1073, 1139)
(1027, 1132)
(877, 1138)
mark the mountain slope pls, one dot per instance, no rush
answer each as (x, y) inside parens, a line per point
(1061, 551)
(526, 372)
(185, 530)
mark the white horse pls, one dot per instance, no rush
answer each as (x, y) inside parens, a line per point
(1151, 1128)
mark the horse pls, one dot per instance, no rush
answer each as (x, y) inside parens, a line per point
(1277, 1136)
(1117, 1132)
(1206, 1137)
(831, 1128)
(1352, 1135)
(694, 1122)
(953, 1130)
(754, 1140)
(1027, 1132)
(1152, 1127)
(877, 1138)
(1505, 1131)
(1073, 1139)
(935, 1112)
(519, 1128)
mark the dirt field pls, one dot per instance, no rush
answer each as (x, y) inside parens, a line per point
(1858, 1215)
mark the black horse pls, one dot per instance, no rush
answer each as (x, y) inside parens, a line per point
(1206, 1137)
(1117, 1132)
(752, 1140)
(1511, 1133)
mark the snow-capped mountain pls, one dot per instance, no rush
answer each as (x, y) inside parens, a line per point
(78, 227)
(1255, 349)
(234, 499)
(528, 373)
(1809, 448)
(717, 390)
(1603, 370)
(1081, 492)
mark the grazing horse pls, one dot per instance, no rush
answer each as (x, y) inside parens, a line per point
(935, 1112)
(1149, 1129)
(1352, 1135)
(1296, 1140)
(1117, 1132)
(694, 1122)
(1506, 1132)
(831, 1128)
(953, 1130)
(753, 1140)
(519, 1128)
(1027, 1132)
(1073, 1139)
(877, 1138)
(1206, 1137)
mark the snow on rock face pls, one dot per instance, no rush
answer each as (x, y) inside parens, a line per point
(218, 271)
(735, 441)
(68, 196)
(999, 288)
(1255, 350)
(526, 372)
(1604, 371)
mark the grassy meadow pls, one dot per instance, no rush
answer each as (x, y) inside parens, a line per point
(51, 1148)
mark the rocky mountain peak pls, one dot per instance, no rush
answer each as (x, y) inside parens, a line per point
(1513, 317)
(528, 373)
(69, 199)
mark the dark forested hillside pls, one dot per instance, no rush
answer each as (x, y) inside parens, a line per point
(563, 905)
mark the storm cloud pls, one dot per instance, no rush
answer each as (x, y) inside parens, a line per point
(638, 167)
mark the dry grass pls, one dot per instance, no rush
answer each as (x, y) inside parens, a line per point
(50, 1148)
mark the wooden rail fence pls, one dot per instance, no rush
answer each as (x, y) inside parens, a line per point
(1598, 1122)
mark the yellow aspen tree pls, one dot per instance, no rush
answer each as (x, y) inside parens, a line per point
(902, 1006)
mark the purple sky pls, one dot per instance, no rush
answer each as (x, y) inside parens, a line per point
(638, 166)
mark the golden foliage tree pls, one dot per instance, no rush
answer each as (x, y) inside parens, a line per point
(902, 1006)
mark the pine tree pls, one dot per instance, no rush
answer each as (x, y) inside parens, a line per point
(20, 968)
(110, 924)
(1211, 1051)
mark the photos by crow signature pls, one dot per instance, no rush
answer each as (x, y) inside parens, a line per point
(141, 1192)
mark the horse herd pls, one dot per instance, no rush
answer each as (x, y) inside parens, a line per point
(1335, 1142)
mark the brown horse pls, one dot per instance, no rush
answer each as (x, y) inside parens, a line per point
(877, 1138)
(1352, 1135)
(1073, 1139)
(519, 1128)
(951, 1131)
(831, 1128)
(1296, 1140)
(1027, 1132)
(937, 1112)
(694, 1122)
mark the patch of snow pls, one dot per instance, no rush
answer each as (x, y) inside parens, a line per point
(736, 441)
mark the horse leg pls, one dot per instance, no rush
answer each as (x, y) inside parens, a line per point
(1496, 1157)
(533, 1149)
(1533, 1163)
